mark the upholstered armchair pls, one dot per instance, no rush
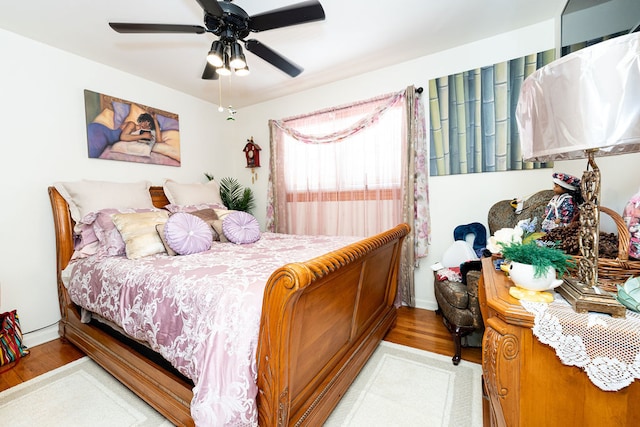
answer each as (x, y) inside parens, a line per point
(458, 304)
(458, 300)
(504, 215)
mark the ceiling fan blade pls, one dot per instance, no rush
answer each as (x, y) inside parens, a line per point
(209, 72)
(299, 13)
(211, 7)
(125, 27)
(272, 57)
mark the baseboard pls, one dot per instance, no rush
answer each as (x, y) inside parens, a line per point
(41, 336)
(426, 304)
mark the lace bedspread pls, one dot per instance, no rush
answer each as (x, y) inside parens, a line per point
(201, 312)
(606, 348)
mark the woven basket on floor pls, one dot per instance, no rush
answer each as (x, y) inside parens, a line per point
(616, 271)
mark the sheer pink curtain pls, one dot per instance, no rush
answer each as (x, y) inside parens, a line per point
(339, 171)
(353, 170)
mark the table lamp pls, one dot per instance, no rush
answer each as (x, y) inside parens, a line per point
(581, 106)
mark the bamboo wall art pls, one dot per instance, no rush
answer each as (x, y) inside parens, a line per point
(473, 121)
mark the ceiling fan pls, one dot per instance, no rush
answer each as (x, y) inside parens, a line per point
(232, 24)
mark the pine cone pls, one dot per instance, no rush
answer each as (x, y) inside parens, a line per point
(568, 240)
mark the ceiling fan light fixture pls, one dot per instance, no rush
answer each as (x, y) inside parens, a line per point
(237, 57)
(224, 70)
(232, 24)
(239, 62)
(243, 71)
(216, 54)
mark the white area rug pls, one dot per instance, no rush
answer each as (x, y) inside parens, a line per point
(77, 394)
(401, 386)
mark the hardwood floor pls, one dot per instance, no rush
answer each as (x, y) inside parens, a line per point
(424, 329)
(416, 328)
(43, 358)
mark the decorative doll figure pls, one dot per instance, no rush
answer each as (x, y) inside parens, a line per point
(563, 206)
(631, 217)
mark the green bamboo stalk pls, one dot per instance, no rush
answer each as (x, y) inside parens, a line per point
(547, 57)
(530, 64)
(501, 100)
(488, 119)
(454, 132)
(517, 77)
(462, 123)
(468, 113)
(454, 155)
(477, 120)
(437, 154)
(443, 100)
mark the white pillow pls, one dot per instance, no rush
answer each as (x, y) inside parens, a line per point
(134, 148)
(222, 213)
(192, 194)
(460, 251)
(88, 196)
(139, 232)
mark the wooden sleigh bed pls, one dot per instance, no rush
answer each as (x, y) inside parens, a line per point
(321, 321)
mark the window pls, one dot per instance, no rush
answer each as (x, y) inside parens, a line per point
(343, 169)
(354, 170)
(357, 162)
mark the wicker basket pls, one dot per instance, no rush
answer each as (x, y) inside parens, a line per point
(612, 272)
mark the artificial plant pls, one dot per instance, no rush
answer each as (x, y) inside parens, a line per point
(539, 256)
(233, 195)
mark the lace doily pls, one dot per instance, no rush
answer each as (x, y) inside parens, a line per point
(606, 348)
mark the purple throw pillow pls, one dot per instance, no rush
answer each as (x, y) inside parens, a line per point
(120, 113)
(187, 234)
(167, 123)
(84, 237)
(241, 227)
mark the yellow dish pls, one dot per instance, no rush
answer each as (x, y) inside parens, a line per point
(533, 296)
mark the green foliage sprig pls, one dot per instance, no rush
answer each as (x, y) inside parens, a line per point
(234, 196)
(540, 257)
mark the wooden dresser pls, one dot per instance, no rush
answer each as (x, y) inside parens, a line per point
(525, 381)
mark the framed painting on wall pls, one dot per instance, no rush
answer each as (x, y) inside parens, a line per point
(123, 130)
(472, 118)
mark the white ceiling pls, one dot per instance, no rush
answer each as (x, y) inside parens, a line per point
(357, 36)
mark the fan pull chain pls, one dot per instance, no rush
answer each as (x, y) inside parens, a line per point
(220, 107)
(230, 110)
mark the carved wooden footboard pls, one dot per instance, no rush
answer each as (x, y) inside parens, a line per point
(321, 320)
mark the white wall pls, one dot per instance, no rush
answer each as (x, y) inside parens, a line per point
(44, 140)
(456, 199)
